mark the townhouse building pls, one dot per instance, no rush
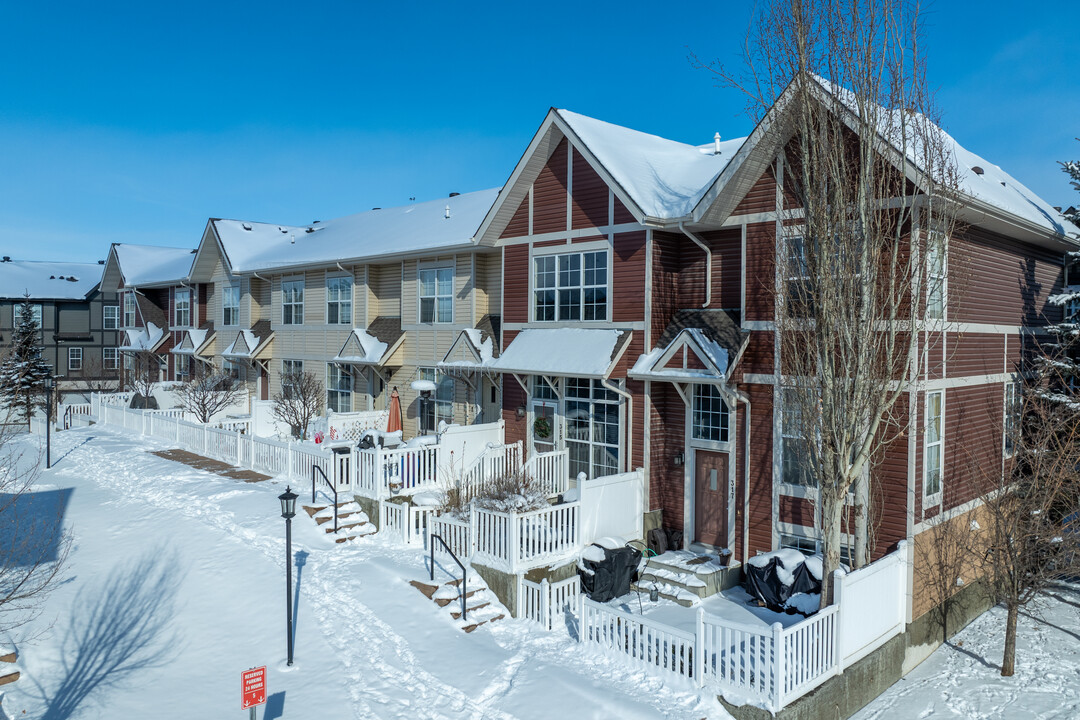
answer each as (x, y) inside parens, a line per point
(77, 318)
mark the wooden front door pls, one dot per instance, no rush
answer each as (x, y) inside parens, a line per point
(710, 498)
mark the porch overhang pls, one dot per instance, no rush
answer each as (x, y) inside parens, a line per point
(251, 345)
(148, 339)
(563, 352)
(697, 347)
(363, 348)
(196, 342)
(473, 351)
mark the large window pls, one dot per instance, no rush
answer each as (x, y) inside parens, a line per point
(35, 312)
(183, 308)
(110, 317)
(796, 462)
(339, 300)
(129, 309)
(935, 277)
(1012, 418)
(710, 414)
(592, 427)
(230, 304)
(570, 287)
(75, 358)
(442, 406)
(292, 302)
(338, 388)
(110, 358)
(933, 453)
(436, 295)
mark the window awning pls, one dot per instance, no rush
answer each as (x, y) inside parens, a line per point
(147, 339)
(566, 352)
(373, 346)
(697, 346)
(474, 349)
(196, 341)
(250, 344)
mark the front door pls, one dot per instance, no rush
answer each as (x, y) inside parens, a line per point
(544, 429)
(710, 498)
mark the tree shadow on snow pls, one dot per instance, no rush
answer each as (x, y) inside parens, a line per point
(118, 627)
(973, 655)
(32, 526)
(72, 449)
(1046, 622)
(275, 706)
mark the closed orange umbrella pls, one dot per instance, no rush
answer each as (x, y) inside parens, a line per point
(393, 422)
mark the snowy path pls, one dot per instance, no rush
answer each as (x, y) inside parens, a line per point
(367, 642)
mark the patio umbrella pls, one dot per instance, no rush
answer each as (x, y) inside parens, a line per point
(393, 423)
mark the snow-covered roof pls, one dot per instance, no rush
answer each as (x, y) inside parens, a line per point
(574, 352)
(361, 349)
(143, 265)
(139, 339)
(665, 178)
(711, 335)
(243, 345)
(252, 246)
(48, 280)
(194, 338)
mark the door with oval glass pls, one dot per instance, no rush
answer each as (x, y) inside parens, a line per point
(544, 425)
(710, 498)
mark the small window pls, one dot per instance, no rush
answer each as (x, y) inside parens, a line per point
(542, 390)
(75, 358)
(935, 277)
(230, 304)
(183, 308)
(129, 309)
(436, 295)
(292, 302)
(799, 295)
(110, 317)
(796, 462)
(231, 368)
(183, 367)
(1012, 418)
(442, 407)
(110, 358)
(290, 369)
(933, 453)
(35, 312)
(710, 414)
(339, 292)
(338, 388)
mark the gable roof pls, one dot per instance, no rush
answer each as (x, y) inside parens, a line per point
(143, 265)
(713, 336)
(478, 347)
(48, 280)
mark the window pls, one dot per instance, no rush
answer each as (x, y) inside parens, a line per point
(710, 414)
(110, 358)
(292, 302)
(339, 300)
(183, 308)
(35, 312)
(570, 287)
(796, 462)
(542, 390)
(932, 454)
(110, 317)
(935, 277)
(231, 368)
(129, 309)
(799, 296)
(442, 409)
(811, 546)
(289, 370)
(230, 304)
(74, 358)
(592, 427)
(1012, 418)
(183, 367)
(437, 295)
(338, 388)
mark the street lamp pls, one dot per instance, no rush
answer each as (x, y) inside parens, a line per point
(49, 384)
(288, 510)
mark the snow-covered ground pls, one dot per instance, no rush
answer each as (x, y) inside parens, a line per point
(962, 679)
(201, 558)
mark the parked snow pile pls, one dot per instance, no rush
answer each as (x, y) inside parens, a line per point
(786, 580)
(607, 569)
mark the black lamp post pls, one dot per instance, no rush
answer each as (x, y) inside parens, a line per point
(49, 384)
(288, 510)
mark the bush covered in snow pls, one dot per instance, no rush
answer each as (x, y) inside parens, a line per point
(509, 493)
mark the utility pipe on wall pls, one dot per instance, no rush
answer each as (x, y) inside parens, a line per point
(708, 261)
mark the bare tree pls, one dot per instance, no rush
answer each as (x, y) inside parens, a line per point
(299, 401)
(144, 372)
(869, 187)
(944, 563)
(207, 392)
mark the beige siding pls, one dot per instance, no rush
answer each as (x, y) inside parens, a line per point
(386, 283)
(463, 290)
(409, 291)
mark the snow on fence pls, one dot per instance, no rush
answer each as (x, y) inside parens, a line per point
(550, 470)
(455, 533)
(644, 642)
(738, 657)
(497, 461)
(382, 472)
(547, 603)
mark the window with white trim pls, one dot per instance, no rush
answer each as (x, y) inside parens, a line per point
(292, 302)
(230, 304)
(35, 311)
(812, 546)
(436, 288)
(110, 358)
(442, 406)
(290, 369)
(798, 297)
(129, 309)
(110, 317)
(74, 358)
(339, 292)
(231, 368)
(710, 414)
(338, 388)
(933, 449)
(570, 286)
(935, 277)
(1012, 417)
(591, 414)
(182, 315)
(796, 464)
(183, 367)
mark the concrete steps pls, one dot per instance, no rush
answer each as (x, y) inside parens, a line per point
(481, 605)
(9, 672)
(353, 522)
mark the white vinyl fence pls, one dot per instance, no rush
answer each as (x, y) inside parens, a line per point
(409, 522)
(547, 603)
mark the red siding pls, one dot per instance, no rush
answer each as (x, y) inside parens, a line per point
(622, 214)
(761, 459)
(974, 437)
(589, 205)
(667, 419)
(975, 354)
(628, 278)
(549, 193)
(519, 223)
(515, 285)
(760, 198)
(888, 494)
(760, 280)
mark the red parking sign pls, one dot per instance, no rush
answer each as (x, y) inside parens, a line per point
(253, 687)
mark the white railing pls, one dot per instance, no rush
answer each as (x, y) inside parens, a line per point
(550, 470)
(499, 461)
(223, 445)
(305, 457)
(455, 533)
(516, 541)
(547, 603)
(409, 522)
(807, 653)
(234, 425)
(739, 657)
(381, 472)
(350, 426)
(270, 456)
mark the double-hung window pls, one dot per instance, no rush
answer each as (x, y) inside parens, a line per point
(933, 450)
(592, 427)
(291, 370)
(710, 414)
(339, 292)
(796, 464)
(35, 313)
(230, 304)
(571, 286)
(935, 277)
(1012, 418)
(292, 302)
(182, 315)
(436, 295)
(338, 388)
(110, 317)
(442, 405)
(799, 295)
(110, 358)
(74, 358)
(183, 367)
(129, 309)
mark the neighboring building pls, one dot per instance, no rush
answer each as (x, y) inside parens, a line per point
(78, 318)
(158, 306)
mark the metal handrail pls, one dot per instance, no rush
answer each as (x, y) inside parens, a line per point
(329, 485)
(464, 572)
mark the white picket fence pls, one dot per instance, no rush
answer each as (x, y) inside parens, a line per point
(498, 461)
(455, 533)
(547, 603)
(550, 470)
(409, 522)
(772, 666)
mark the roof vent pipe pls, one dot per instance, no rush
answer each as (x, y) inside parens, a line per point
(708, 262)
(716, 144)
(447, 212)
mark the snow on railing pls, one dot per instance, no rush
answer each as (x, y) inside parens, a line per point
(381, 472)
(550, 470)
(409, 522)
(807, 654)
(546, 602)
(738, 657)
(523, 540)
(270, 456)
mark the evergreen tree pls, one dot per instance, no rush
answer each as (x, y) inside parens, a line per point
(1059, 364)
(23, 372)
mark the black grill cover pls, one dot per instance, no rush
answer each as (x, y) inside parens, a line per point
(612, 577)
(764, 583)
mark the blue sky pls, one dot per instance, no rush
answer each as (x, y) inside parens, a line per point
(136, 122)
